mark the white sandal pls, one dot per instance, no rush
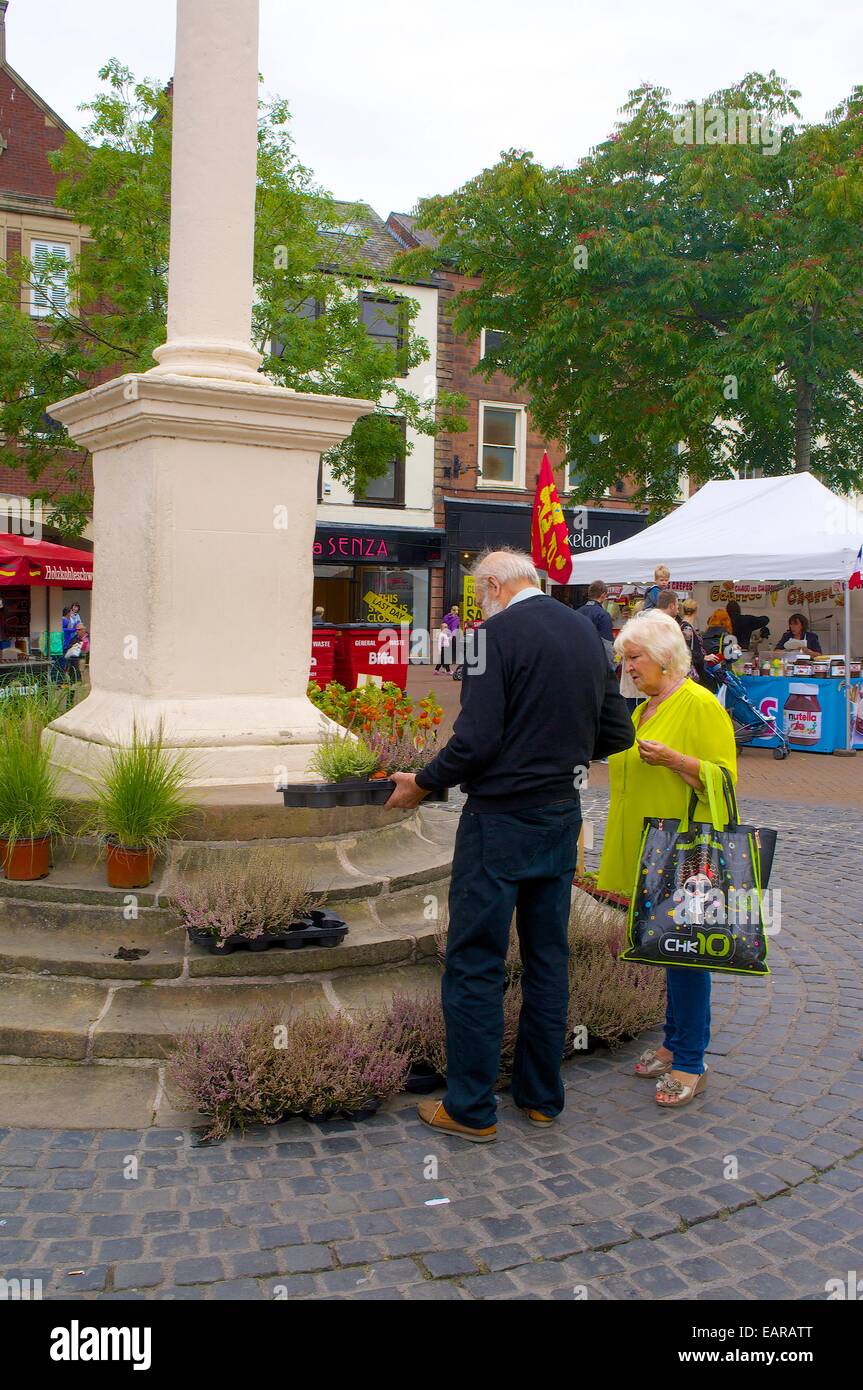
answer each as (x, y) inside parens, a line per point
(652, 1064)
(668, 1085)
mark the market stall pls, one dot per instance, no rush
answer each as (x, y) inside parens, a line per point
(782, 533)
(27, 622)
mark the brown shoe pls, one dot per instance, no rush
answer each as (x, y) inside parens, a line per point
(536, 1117)
(432, 1113)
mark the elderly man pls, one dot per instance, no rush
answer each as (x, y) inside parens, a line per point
(536, 706)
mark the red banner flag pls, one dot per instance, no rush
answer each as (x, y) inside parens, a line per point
(549, 538)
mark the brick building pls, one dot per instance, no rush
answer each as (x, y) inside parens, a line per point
(31, 223)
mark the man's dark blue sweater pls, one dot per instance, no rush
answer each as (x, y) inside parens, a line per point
(537, 707)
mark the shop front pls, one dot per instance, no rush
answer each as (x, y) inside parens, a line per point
(474, 525)
(376, 574)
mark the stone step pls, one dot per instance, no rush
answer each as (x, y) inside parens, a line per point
(360, 864)
(82, 1020)
(68, 939)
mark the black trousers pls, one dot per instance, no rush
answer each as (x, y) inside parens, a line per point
(504, 863)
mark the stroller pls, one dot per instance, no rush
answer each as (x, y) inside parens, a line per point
(749, 723)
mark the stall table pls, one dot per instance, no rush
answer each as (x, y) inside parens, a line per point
(825, 711)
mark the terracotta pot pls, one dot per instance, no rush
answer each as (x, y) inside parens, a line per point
(129, 868)
(26, 859)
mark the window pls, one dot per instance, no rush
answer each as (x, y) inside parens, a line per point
(490, 340)
(386, 322)
(389, 489)
(311, 309)
(49, 288)
(501, 446)
(573, 477)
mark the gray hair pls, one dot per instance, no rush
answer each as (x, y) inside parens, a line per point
(505, 565)
(660, 637)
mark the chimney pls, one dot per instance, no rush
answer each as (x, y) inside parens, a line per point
(4, 5)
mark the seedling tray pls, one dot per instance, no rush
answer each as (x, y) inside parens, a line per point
(318, 929)
(325, 795)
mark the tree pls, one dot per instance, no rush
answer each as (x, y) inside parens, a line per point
(696, 281)
(308, 252)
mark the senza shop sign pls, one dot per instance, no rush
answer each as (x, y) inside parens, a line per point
(367, 547)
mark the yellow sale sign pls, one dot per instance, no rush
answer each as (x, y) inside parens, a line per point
(471, 612)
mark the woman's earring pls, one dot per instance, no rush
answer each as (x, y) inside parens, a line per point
(664, 670)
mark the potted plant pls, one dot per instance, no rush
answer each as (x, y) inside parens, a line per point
(345, 765)
(138, 807)
(30, 810)
(254, 903)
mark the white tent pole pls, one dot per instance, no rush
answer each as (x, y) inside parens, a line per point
(849, 689)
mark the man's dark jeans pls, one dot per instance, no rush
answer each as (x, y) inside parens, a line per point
(522, 862)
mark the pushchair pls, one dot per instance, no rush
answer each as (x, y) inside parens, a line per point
(749, 723)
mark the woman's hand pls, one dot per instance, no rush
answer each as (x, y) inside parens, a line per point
(657, 754)
(660, 755)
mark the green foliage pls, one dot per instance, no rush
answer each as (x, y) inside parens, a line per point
(664, 293)
(29, 805)
(342, 756)
(45, 704)
(141, 800)
(117, 182)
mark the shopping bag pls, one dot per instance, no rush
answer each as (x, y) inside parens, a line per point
(697, 900)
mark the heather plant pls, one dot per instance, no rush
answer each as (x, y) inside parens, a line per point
(612, 999)
(414, 1024)
(400, 752)
(261, 1070)
(259, 893)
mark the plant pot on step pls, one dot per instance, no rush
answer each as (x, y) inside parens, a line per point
(25, 860)
(128, 868)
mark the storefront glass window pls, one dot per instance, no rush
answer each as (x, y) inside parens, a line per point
(394, 595)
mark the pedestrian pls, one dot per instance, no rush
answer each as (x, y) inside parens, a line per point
(318, 617)
(595, 613)
(662, 578)
(537, 707)
(692, 638)
(667, 602)
(446, 640)
(73, 655)
(628, 689)
(687, 728)
(747, 627)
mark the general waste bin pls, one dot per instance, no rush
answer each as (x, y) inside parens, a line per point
(372, 649)
(325, 643)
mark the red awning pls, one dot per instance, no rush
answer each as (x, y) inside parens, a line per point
(43, 564)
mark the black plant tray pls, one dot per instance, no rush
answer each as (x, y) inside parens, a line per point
(421, 1080)
(318, 929)
(325, 795)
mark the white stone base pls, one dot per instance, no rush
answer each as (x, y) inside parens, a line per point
(227, 741)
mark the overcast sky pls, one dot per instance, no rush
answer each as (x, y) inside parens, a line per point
(394, 100)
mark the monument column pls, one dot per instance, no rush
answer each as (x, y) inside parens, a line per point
(205, 472)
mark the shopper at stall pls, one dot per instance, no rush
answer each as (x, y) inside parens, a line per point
(662, 577)
(693, 640)
(73, 654)
(596, 614)
(797, 632)
(667, 602)
(746, 625)
(447, 639)
(687, 730)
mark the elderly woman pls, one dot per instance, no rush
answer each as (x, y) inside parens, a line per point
(680, 730)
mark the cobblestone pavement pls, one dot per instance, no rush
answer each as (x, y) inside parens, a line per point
(618, 1201)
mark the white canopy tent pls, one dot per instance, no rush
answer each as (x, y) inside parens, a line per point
(761, 529)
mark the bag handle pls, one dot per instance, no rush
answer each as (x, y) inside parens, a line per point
(708, 772)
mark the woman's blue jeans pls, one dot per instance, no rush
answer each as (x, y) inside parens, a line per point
(687, 1018)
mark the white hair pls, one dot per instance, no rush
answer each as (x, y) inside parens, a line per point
(505, 565)
(659, 636)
